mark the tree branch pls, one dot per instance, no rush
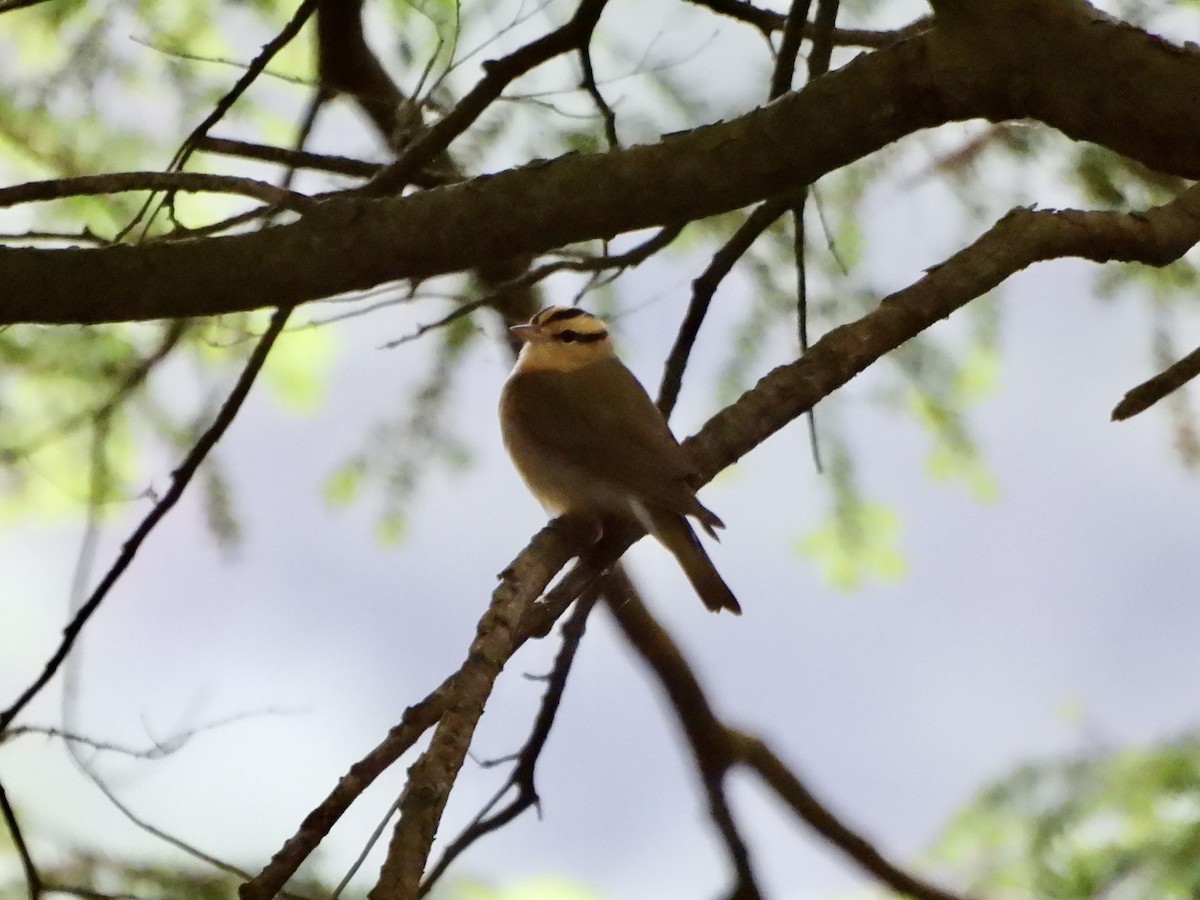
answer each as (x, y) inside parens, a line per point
(179, 482)
(121, 182)
(716, 749)
(33, 878)
(525, 769)
(353, 244)
(1149, 392)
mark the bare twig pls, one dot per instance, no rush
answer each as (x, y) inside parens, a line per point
(157, 749)
(1149, 392)
(588, 83)
(256, 67)
(120, 182)
(296, 159)
(33, 879)
(10, 5)
(179, 482)
(717, 748)
(523, 773)
(498, 74)
(703, 289)
(632, 257)
(707, 738)
(756, 755)
(822, 38)
(789, 48)
(768, 21)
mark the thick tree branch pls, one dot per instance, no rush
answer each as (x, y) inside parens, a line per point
(716, 749)
(354, 244)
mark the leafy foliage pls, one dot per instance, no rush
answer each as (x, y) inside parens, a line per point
(1122, 824)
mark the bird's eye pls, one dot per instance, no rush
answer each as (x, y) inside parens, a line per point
(568, 337)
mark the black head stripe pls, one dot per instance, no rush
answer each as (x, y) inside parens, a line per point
(576, 337)
(561, 315)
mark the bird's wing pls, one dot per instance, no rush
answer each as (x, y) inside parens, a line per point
(600, 419)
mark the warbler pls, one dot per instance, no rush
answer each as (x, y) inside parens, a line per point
(589, 443)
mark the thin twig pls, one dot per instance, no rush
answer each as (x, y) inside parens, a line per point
(255, 68)
(121, 182)
(789, 48)
(10, 5)
(525, 770)
(33, 879)
(179, 481)
(768, 21)
(498, 74)
(756, 755)
(707, 737)
(703, 289)
(632, 257)
(283, 156)
(588, 83)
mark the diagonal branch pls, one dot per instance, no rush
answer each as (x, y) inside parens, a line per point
(498, 74)
(353, 243)
(524, 771)
(1141, 398)
(716, 749)
(180, 479)
(33, 878)
(120, 182)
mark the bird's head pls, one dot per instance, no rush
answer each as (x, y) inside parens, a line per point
(563, 338)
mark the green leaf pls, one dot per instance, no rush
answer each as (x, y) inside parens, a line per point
(298, 367)
(345, 482)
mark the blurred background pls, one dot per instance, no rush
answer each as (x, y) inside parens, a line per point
(990, 581)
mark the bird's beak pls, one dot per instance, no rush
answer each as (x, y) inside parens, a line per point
(529, 334)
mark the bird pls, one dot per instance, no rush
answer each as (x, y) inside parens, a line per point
(589, 443)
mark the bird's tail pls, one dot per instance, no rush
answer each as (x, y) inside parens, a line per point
(674, 533)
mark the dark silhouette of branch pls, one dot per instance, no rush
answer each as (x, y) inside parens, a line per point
(256, 67)
(588, 83)
(10, 5)
(1149, 392)
(789, 48)
(708, 739)
(522, 776)
(704, 287)
(716, 749)
(295, 159)
(179, 482)
(768, 21)
(121, 182)
(754, 753)
(33, 879)
(498, 74)
(621, 261)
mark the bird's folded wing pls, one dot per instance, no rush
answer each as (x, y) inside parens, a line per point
(600, 420)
